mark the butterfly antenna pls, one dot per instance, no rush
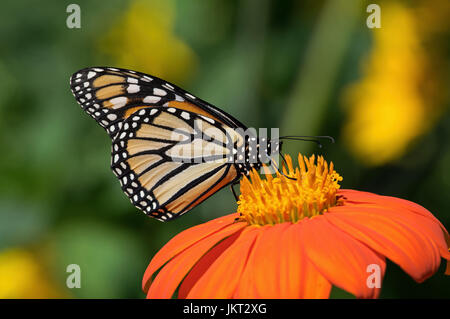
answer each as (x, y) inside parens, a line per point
(280, 170)
(314, 139)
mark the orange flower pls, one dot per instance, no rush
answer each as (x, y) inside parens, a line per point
(297, 238)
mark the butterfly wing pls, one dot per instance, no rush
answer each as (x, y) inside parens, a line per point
(111, 95)
(152, 176)
(169, 160)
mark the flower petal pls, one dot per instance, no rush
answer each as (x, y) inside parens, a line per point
(170, 276)
(359, 197)
(203, 264)
(340, 258)
(260, 278)
(182, 241)
(440, 238)
(221, 278)
(406, 240)
(299, 272)
(278, 268)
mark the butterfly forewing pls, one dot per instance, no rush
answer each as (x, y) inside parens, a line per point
(110, 95)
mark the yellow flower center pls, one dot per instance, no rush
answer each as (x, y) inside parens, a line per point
(309, 191)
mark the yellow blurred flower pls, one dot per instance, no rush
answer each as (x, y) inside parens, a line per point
(393, 104)
(144, 40)
(22, 276)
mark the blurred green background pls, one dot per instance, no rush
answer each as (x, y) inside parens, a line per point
(308, 67)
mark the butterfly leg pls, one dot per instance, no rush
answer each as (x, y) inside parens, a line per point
(237, 219)
(234, 192)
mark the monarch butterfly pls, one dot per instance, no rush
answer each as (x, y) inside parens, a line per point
(170, 149)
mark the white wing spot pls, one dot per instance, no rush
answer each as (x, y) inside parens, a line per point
(112, 116)
(91, 74)
(159, 92)
(207, 119)
(185, 115)
(133, 88)
(151, 99)
(118, 102)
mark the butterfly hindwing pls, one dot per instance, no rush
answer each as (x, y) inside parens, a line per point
(168, 160)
